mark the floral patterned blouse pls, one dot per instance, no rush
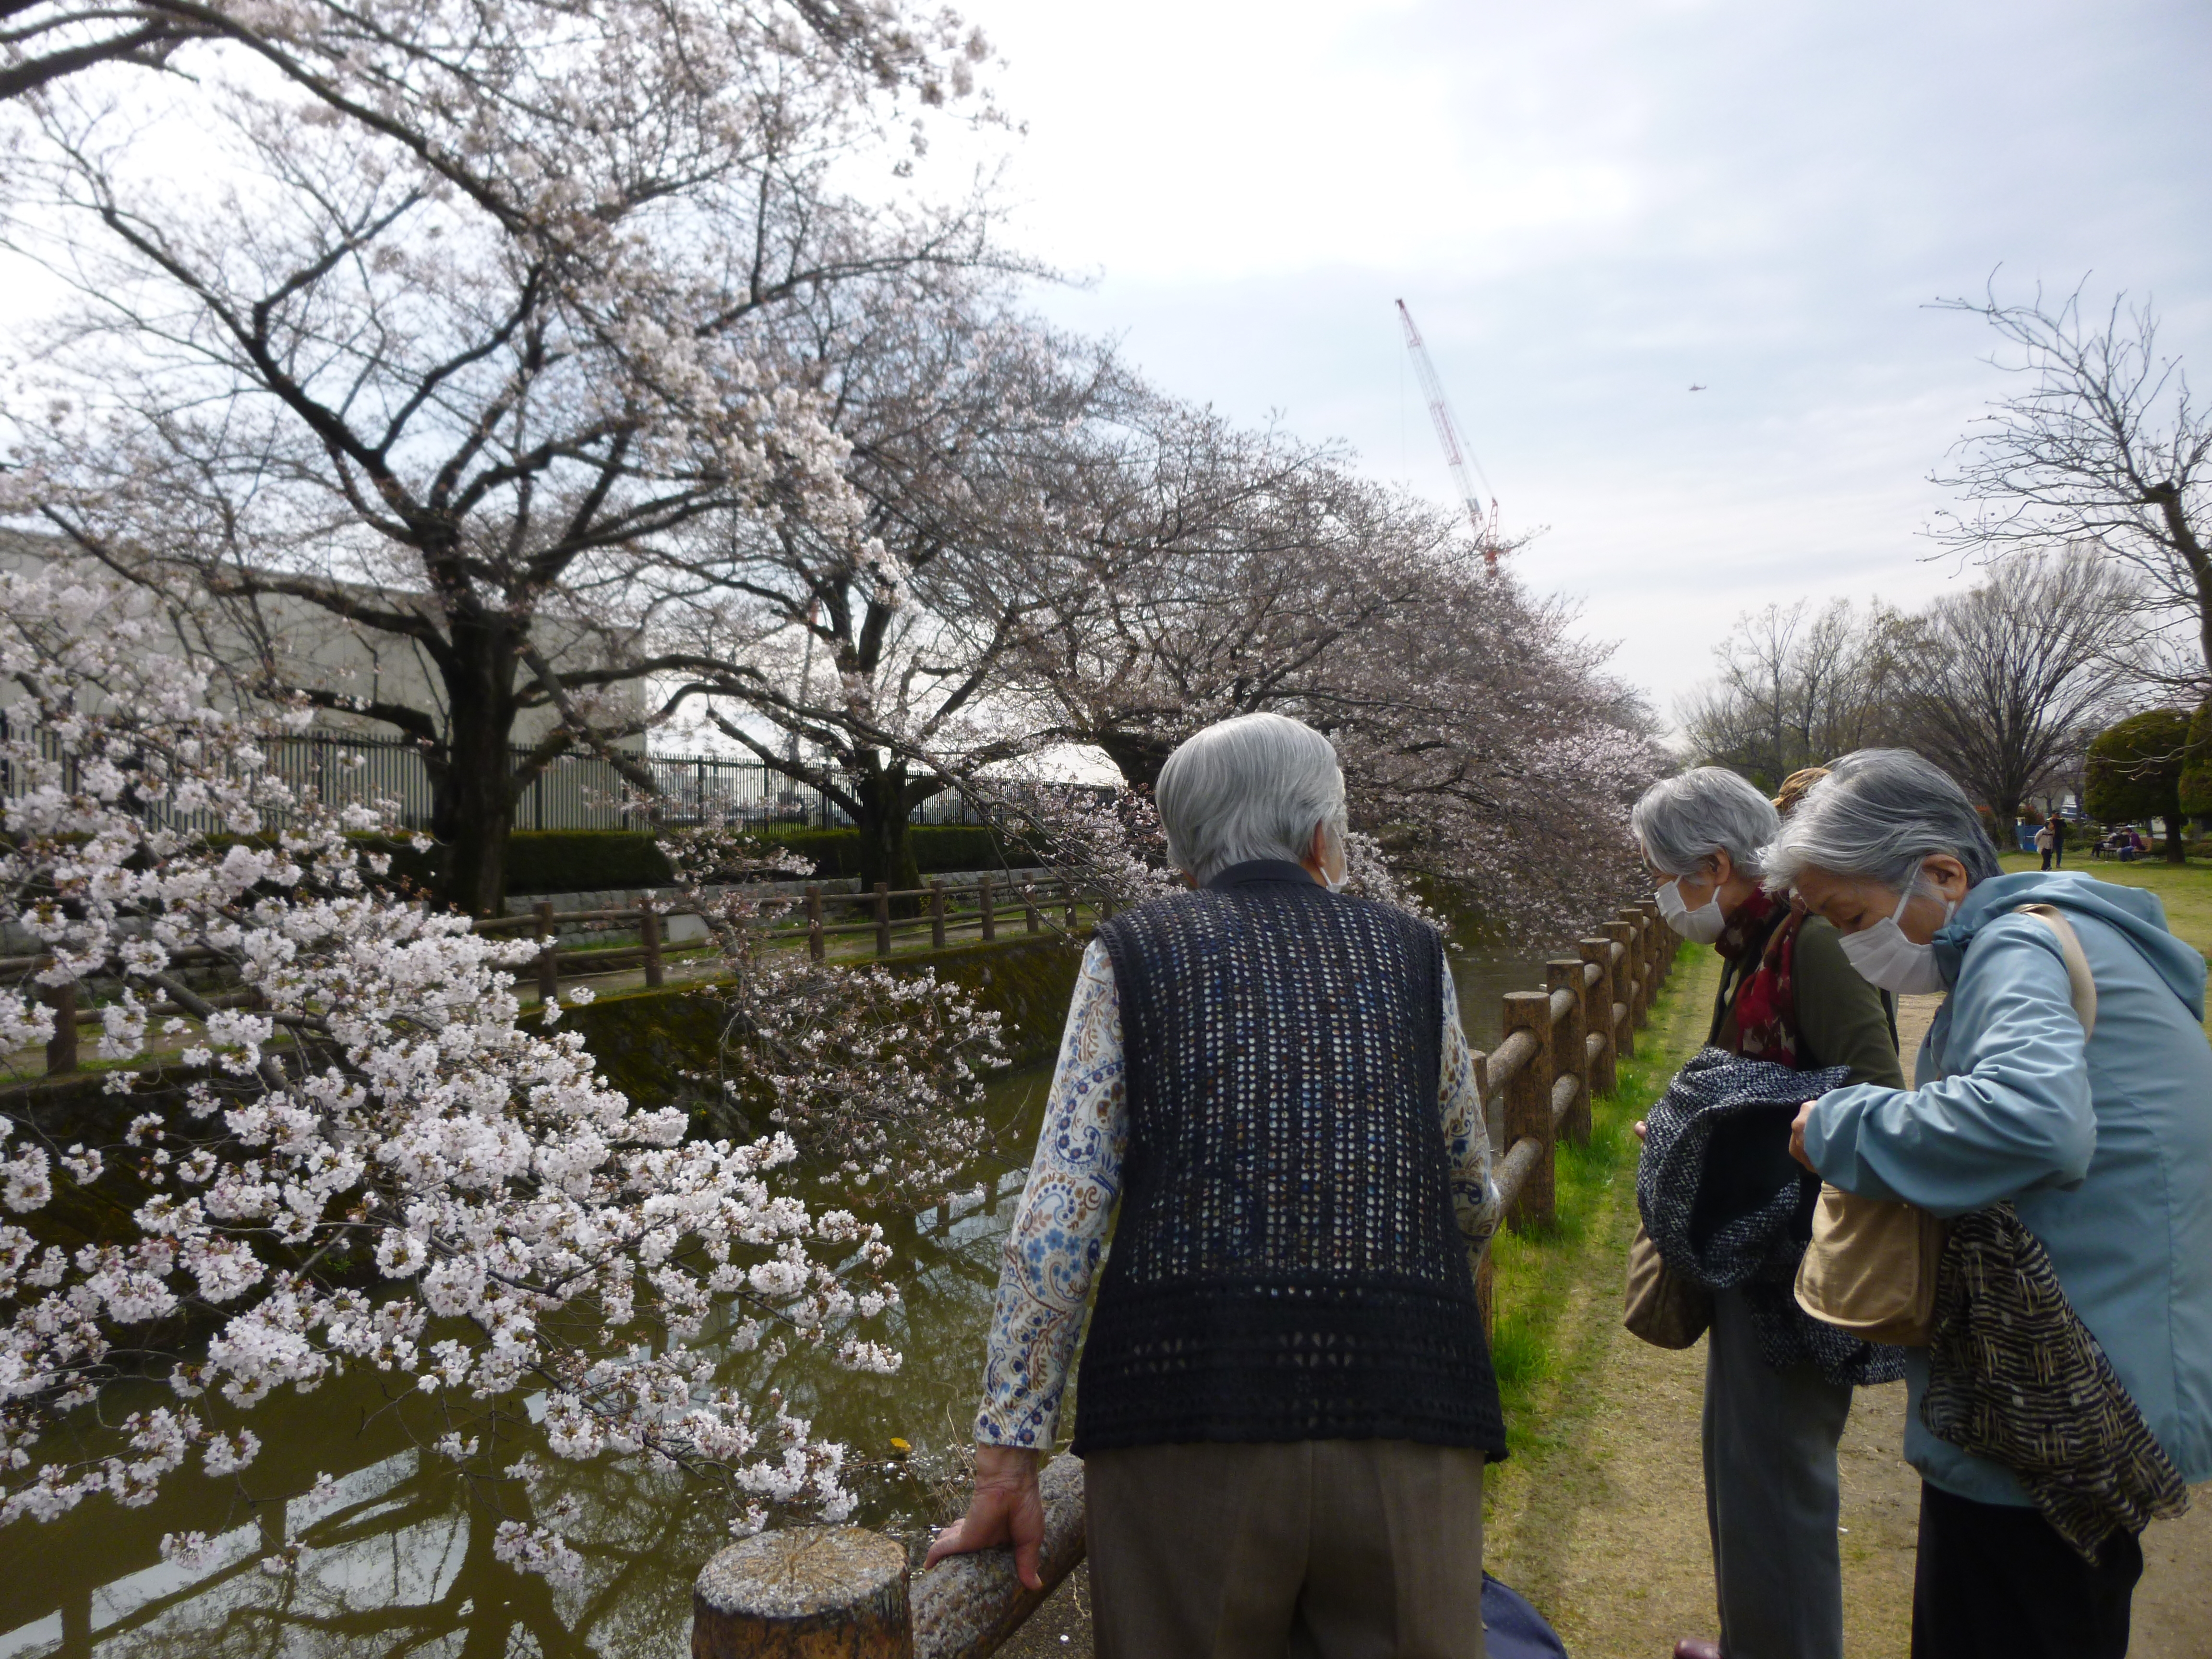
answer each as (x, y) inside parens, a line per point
(1059, 1236)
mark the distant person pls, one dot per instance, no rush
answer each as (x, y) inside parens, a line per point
(2057, 827)
(1787, 995)
(2047, 842)
(2067, 1130)
(1286, 1399)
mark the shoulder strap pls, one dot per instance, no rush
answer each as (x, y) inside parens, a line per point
(2078, 980)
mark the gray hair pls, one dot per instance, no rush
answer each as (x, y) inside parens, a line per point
(1682, 821)
(1251, 787)
(1878, 816)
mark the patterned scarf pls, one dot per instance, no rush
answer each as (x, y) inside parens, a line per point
(2014, 1375)
(1761, 954)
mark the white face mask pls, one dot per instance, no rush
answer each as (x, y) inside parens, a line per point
(1701, 926)
(1888, 960)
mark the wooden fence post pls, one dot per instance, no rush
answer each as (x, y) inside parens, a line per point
(937, 913)
(1640, 947)
(1569, 1054)
(806, 1593)
(821, 1591)
(1528, 1104)
(61, 1048)
(986, 909)
(1664, 942)
(1598, 1005)
(648, 927)
(1030, 906)
(1067, 891)
(1623, 934)
(883, 918)
(814, 945)
(549, 962)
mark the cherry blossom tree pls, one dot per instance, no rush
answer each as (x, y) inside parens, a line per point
(458, 315)
(367, 1157)
(864, 666)
(1234, 571)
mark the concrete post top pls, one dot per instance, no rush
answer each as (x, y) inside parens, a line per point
(799, 1571)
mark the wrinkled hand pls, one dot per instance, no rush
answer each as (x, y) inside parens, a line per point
(1638, 1127)
(1797, 1134)
(1005, 1508)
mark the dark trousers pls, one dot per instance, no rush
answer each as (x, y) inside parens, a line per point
(1994, 1582)
(1770, 1495)
(1313, 1549)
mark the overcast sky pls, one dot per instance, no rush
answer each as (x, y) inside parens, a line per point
(1589, 207)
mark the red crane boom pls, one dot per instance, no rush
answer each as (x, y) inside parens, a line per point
(1457, 454)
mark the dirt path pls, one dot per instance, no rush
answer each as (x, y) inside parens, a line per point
(1603, 1526)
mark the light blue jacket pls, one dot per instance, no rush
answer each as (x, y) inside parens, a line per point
(2108, 1163)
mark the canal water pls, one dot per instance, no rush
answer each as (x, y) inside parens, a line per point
(395, 1558)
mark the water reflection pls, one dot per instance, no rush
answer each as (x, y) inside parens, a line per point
(397, 1559)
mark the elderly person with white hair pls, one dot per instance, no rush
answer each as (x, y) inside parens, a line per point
(1771, 1420)
(2063, 1120)
(1286, 1399)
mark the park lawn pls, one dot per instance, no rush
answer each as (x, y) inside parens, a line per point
(2185, 889)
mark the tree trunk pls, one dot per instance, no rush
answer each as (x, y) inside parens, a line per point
(886, 850)
(477, 796)
(2006, 813)
(2176, 852)
(1137, 757)
(476, 852)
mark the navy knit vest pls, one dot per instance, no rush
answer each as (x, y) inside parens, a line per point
(1286, 1265)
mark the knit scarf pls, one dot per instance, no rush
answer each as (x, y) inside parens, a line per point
(1761, 955)
(2014, 1374)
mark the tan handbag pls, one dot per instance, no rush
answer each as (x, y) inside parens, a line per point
(1870, 1268)
(1660, 1306)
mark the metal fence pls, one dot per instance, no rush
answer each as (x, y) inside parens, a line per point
(577, 792)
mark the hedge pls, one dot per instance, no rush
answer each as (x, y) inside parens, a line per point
(584, 860)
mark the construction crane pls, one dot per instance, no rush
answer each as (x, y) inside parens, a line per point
(1457, 455)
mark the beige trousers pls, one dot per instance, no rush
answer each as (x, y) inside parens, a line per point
(1316, 1549)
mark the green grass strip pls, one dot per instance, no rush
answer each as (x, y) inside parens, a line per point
(1544, 1271)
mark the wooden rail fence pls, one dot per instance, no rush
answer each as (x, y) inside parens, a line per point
(986, 903)
(840, 1590)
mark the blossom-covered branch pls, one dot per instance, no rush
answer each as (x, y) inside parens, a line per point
(381, 1164)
